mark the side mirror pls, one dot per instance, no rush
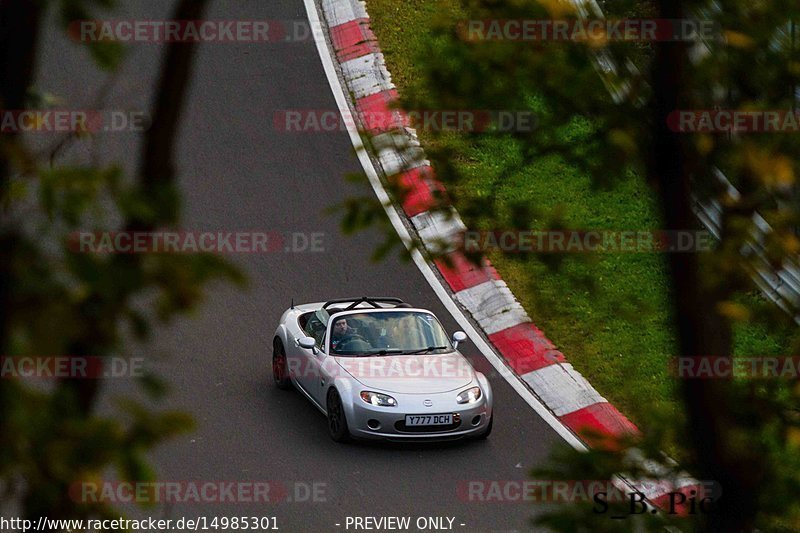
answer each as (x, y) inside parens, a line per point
(308, 343)
(458, 337)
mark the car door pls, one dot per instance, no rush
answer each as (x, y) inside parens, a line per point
(307, 369)
(319, 374)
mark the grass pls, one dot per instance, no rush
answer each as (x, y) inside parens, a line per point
(608, 313)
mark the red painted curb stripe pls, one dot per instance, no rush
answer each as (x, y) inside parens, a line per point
(418, 187)
(600, 425)
(462, 274)
(353, 39)
(378, 112)
(526, 348)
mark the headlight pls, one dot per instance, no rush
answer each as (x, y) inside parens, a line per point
(376, 398)
(469, 396)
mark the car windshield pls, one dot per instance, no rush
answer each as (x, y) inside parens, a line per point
(388, 333)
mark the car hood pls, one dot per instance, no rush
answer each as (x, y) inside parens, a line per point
(410, 374)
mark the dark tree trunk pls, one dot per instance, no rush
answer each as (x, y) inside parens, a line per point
(157, 171)
(701, 330)
(19, 28)
(77, 397)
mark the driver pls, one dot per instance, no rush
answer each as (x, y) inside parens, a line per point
(341, 331)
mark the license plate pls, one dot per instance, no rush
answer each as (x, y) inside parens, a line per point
(429, 420)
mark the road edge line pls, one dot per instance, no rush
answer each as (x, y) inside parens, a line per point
(367, 164)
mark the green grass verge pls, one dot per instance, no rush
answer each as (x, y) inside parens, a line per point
(608, 313)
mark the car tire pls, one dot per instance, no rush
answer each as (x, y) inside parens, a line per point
(337, 421)
(280, 372)
(488, 431)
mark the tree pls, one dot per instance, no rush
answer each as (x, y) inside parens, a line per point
(742, 435)
(56, 302)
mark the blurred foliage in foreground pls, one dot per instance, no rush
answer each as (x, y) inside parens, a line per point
(743, 435)
(56, 302)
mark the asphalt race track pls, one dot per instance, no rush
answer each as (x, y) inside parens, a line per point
(238, 173)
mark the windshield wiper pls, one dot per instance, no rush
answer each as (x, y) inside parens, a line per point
(424, 350)
(386, 351)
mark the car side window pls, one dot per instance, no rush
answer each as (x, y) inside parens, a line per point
(315, 328)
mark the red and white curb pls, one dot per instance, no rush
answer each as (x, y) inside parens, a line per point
(481, 291)
(525, 350)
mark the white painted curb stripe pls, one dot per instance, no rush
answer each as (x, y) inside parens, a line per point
(653, 488)
(438, 230)
(493, 306)
(367, 75)
(371, 77)
(660, 478)
(562, 388)
(424, 267)
(398, 153)
(402, 231)
(342, 11)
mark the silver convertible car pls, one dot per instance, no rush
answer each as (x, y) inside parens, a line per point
(380, 369)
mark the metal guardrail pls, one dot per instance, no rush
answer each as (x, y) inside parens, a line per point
(779, 285)
(782, 285)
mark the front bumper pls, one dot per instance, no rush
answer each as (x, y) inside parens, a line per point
(372, 422)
